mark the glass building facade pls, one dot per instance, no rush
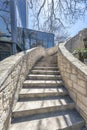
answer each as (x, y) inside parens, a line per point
(37, 38)
(12, 12)
(14, 34)
(21, 13)
(5, 20)
(32, 38)
(5, 29)
(12, 15)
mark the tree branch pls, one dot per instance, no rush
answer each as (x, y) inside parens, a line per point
(7, 26)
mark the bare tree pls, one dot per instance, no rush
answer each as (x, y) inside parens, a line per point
(50, 15)
(5, 14)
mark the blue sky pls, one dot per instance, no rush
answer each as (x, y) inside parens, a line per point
(73, 29)
(79, 25)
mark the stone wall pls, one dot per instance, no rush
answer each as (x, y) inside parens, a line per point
(13, 71)
(74, 74)
(77, 41)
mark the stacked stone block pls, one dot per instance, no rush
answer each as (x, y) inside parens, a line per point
(74, 74)
(13, 71)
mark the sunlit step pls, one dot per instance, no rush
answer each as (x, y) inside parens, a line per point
(43, 83)
(43, 105)
(42, 92)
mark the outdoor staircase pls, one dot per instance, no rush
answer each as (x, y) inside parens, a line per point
(44, 103)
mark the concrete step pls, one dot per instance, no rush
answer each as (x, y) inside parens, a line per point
(45, 68)
(45, 64)
(44, 77)
(48, 72)
(42, 105)
(42, 92)
(57, 120)
(42, 83)
(52, 61)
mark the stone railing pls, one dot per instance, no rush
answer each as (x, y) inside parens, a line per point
(13, 71)
(52, 50)
(74, 75)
